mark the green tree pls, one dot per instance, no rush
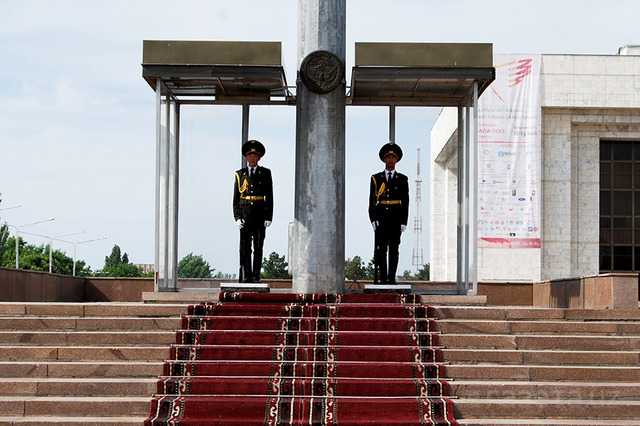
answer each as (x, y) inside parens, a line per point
(5, 247)
(421, 275)
(36, 258)
(192, 266)
(371, 266)
(424, 274)
(354, 269)
(274, 267)
(117, 265)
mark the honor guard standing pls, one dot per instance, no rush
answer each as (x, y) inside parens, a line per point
(388, 212)
(252, 209)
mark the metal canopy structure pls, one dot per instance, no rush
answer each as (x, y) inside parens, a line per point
(225, 83)
(214, 72)
(251, 73)
(419, 74)
(410, 86)
(441, 75)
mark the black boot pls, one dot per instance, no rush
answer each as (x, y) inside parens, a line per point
(393, 266)
(380, 259)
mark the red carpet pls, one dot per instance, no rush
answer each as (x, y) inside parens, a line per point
(301, 359)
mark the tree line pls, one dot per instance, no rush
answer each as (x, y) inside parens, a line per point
(117, 264)
(34, 257)
(356, 270)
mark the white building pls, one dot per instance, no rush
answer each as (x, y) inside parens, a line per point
(568, 203)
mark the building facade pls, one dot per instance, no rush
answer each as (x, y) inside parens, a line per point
(586, 187)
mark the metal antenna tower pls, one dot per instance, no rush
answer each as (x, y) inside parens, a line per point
(417, 258)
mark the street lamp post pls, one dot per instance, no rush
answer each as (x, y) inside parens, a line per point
(57, 239)
(18, 234)
(74, 250)
(69, 242)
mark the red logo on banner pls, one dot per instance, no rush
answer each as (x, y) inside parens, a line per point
(520, 71)
(517, 73)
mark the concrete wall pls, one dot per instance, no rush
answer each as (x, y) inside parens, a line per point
(571, 184)
(110, 289)
(17, 285)
(584, 99)
(607, 291)
(506, 293)
(443, 218)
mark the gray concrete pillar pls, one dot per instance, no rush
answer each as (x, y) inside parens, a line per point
(317, 252)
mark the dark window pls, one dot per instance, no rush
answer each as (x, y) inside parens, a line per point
(619, 206)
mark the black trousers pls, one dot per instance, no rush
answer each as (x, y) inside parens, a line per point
(387, 240)
(251, 235)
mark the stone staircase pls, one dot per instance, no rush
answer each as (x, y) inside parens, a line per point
(517, 366)
(78, 364)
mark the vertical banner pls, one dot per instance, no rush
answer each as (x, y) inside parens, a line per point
(509, 155)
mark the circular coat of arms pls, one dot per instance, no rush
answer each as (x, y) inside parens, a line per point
(321, 71)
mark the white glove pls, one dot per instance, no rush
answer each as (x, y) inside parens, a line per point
(403, 228)
(267, 223)
(374, 224)
(240, 223)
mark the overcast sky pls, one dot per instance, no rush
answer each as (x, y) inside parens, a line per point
(77, 121)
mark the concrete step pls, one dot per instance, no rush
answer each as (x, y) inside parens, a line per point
(503, 313)
(78, 364)
(535, 422)
(539, 357)
(38, 323)
(87, 353)
(130, 337)
(74, 406)
(479, 326)
(59, 363)
(111, 309)
(194, 296)
(548, 409)
(545, 373)
(540, 341)
(95, 386)
(72, 421)
(556, 390)
(81, 369)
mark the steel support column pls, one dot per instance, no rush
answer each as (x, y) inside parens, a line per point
(167, 161)
(245, 132)
(392, 123)
(461, 240)
(467, 246)
(473, 194)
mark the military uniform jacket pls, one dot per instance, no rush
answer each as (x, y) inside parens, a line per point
(389, 201)
(253, 197)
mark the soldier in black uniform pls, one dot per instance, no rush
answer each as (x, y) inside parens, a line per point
(388, 212)
(252, 209)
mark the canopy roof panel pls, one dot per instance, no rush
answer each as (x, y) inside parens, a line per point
(224, 72)
(419, 74)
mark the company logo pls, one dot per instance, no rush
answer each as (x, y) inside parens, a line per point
(518, 71)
